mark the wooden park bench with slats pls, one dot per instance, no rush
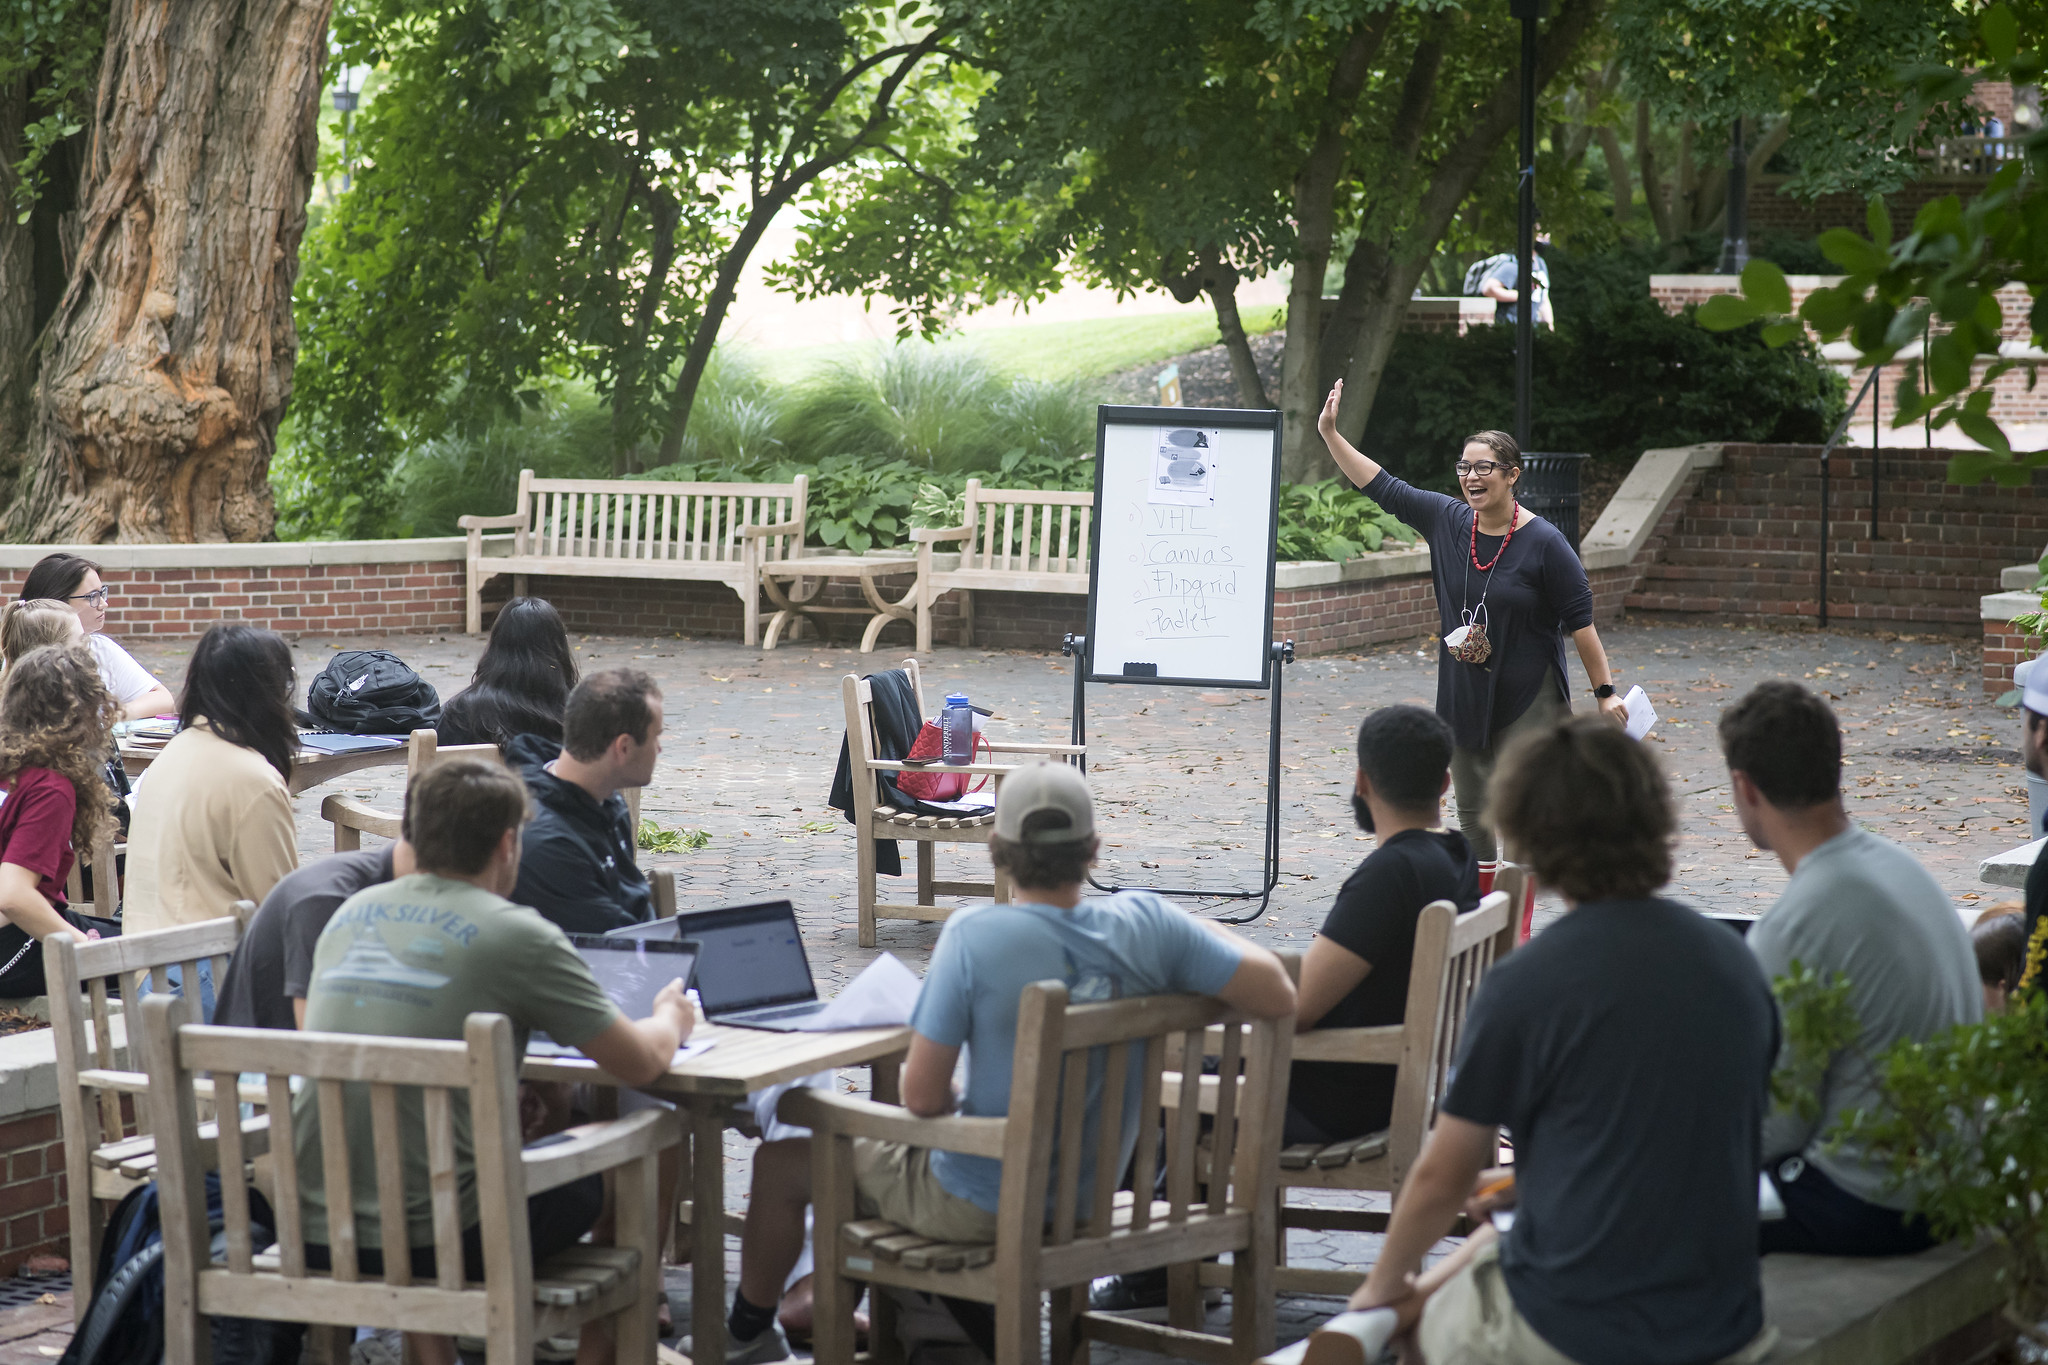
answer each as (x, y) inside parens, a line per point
(630, 528)
(1011, 540)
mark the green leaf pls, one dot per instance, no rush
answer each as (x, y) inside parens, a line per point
(1781, 333)
(1856, 255)
(2001, 33)
(1763, 283)
(1985, 432)
(1726, 312)
(1879, 221)
(1948, 365)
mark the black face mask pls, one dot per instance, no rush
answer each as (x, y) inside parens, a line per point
(1361, 812)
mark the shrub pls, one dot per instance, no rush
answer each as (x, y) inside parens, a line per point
(1618, 376)
(1333, 520)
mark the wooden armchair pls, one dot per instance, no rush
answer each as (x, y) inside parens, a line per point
(516, 1305)
(1061, 1048)
(105, 900)
(874, 819)
(1453, 952)
(108, 1150)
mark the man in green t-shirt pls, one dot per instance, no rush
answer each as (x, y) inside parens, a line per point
(413, 959)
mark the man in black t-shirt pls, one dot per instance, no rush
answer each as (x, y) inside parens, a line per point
(1356, 971)
(1628, 1049)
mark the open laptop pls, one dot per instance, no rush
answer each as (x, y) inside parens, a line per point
(751, 966)
(632, 972)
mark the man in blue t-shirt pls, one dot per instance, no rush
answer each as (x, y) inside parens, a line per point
(1106, 948)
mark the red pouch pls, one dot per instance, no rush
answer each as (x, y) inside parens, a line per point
(930, 748)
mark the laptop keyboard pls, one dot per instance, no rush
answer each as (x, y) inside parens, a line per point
(811, 1008)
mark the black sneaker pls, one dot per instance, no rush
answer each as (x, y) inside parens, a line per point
(1141, 1295)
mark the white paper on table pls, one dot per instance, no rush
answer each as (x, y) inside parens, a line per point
(974, 803)
(883, 995)
(694, 1047)
(1641, 715)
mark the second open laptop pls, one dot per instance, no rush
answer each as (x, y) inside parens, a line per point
(751, 965)
(632, 972)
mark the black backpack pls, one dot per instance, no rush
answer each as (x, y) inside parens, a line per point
(372, 692)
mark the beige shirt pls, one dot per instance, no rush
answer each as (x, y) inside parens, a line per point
(212, 826)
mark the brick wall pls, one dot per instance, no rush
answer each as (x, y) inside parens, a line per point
(34, 1217)
(2004, 648)
(178, 604)
(1772, 211)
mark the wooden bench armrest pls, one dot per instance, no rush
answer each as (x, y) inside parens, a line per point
(616, 1143)
(891, 765)
(935, 534)
(780, 528)
(510, 521)
(346, 810)
(136, 1083)
(1382, 1045)
(1037, 748)
(822, 1111)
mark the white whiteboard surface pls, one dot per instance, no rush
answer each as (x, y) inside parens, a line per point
(1183, 568)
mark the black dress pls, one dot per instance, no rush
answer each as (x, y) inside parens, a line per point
(1536, 595)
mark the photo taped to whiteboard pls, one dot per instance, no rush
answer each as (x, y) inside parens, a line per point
(1184, 468)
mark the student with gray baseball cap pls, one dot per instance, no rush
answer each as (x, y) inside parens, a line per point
(1103, 947)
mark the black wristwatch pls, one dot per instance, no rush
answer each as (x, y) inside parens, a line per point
(1604, 691)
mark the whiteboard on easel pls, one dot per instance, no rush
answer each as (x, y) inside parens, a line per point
(1186, 514)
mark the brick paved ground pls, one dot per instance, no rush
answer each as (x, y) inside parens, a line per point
(1179, 774)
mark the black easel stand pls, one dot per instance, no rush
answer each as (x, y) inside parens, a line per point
(1075, 647)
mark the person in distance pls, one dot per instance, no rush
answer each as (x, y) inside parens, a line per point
(522, 682)
(76, 583)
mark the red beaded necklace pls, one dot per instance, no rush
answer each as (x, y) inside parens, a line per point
(1514, 515)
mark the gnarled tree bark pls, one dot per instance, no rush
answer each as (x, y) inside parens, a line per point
(167, 364)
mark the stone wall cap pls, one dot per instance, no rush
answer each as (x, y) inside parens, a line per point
(119, 558)
(2003, 606)
(28, 1072)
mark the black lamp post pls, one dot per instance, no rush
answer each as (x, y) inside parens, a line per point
(1528, 12)
(1735, 235)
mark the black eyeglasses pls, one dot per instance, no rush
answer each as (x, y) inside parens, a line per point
(1482, 469)
(98, 596)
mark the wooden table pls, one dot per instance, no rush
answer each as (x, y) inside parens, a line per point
(705, 1087)
(309, 769)
(809, 575)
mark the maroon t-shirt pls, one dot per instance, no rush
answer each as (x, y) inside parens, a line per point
(35, 828)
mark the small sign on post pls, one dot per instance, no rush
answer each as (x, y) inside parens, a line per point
(1169, 387)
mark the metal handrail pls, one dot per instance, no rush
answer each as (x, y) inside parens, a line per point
(1835, 439)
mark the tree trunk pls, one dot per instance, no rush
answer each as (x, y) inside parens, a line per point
(17, 291)
(1217, 278)
(169, 359)
(666, 215)
(1653, 185)
(1617, 172)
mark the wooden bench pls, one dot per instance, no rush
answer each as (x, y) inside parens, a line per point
(1011, 540)
(630, 528)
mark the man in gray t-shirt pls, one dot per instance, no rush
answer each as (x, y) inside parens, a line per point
(266, 981)
(1862, 908)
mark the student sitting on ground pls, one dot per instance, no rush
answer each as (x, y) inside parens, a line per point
(2000, 939)
(1859, 907)
(521, 684)
(76, 583)
(1628, 1049)
(267, 978)
(578, 868)
(415, 958)
(56, 720)
(1356, 972)
(1104, 948)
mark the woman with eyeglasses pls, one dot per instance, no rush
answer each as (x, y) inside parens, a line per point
(76, 583)
(1509, 590)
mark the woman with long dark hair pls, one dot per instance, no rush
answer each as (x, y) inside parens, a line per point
(56, 730)
(522, 682)
(213, 815)
(76, 583)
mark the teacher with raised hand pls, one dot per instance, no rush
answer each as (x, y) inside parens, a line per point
(1509, 589)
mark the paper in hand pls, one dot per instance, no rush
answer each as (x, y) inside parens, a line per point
(1641, 715)
(882, 996)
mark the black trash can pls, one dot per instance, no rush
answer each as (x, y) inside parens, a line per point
(1550, 489)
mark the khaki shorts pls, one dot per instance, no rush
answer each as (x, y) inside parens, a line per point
(895, 1181)
(1472, 1320)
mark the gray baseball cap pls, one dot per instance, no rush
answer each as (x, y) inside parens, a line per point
(1057, 787)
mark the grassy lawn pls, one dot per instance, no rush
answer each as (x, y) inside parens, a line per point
(1049, 350)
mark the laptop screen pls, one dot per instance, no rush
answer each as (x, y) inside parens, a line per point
(749, 956)
(633, 971)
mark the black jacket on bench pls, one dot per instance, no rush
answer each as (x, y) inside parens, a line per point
(576, 866)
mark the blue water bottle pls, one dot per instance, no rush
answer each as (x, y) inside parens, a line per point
(956, 729)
